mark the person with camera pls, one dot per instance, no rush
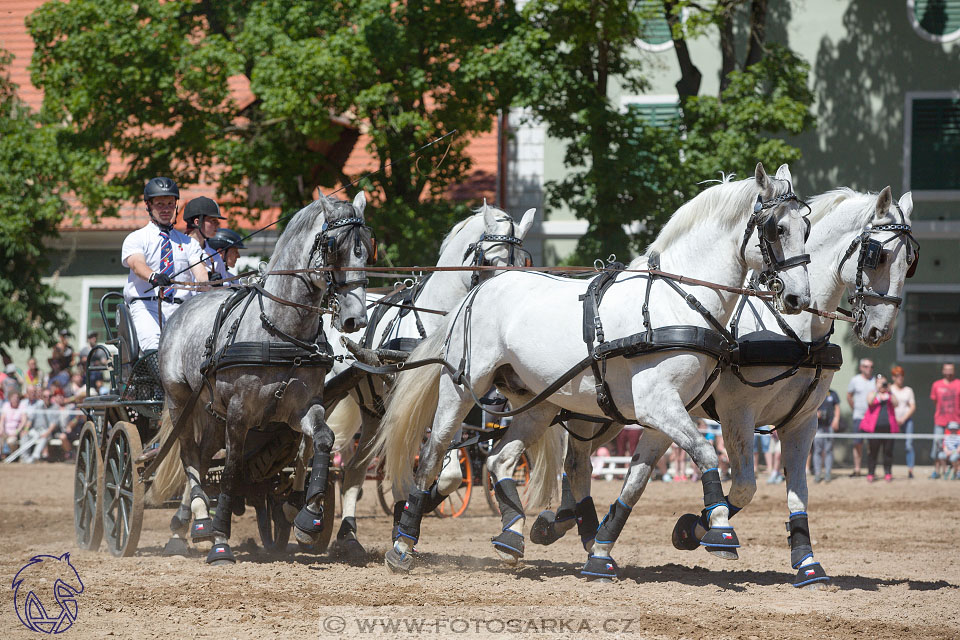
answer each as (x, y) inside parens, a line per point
(880, 418)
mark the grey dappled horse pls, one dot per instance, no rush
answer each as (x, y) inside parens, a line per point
(326, 232)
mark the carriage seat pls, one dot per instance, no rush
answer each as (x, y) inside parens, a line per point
(127, 341)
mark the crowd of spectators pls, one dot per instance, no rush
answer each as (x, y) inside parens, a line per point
(39, 405)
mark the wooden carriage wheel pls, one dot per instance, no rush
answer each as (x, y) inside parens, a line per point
(88, 489)
(521, 474)
(122, 491)
(272, 523)
(458, 501)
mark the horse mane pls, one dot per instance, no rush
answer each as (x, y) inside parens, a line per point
(502, 216)
(726, 203)
(865, 204)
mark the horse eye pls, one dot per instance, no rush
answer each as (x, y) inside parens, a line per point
(780, 229)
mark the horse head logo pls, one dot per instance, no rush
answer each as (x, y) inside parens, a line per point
(37, 608)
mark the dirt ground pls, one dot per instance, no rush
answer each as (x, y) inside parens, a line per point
(891, 550)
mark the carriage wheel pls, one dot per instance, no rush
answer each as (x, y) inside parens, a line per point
(123, 492)
(273, 524)
(521, 474)
(87, 489)
(457, 502)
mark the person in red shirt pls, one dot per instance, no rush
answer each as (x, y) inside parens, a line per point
(945, 393)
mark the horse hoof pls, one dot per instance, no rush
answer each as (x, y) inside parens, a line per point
(543, 531)
(349, 548)
(202, 530)
(683, 537)
(509, 546)
(397, 562)
(721, 542)
(811, 576)
(176, 547)
(308, 526)
(306, 547)
(599, 569)
(221, 555)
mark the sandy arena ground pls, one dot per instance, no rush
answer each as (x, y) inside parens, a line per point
(891, 550)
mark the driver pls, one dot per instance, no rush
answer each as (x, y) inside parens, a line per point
(155, 254)
(203, 217)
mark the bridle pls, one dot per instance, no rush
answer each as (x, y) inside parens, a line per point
(768, 232)
(871, 256)
(326, 245)
(518, 255)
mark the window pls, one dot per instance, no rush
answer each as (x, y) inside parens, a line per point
(655, 30)
(657, 114)
(93, 290)
(932, 145)
(935, 20)
(929, 324)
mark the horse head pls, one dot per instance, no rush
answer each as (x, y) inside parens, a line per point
(489, 238)
(347, 244)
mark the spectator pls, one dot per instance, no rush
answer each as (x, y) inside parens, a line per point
(773, 459)
(599, 459)
(72, 420)
(59, 377)
(951, 451)
(628, 439)
(679, 459)
(91, 343)
(63, 351)
(11, 381)
(906, 405)
(76, 390)
(860, 386)
(828, 421)
(34, 377)
(880, 418)
(946, 394)
(46, 420)
(13, 419)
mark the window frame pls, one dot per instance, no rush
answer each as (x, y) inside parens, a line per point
(663, 46)
(902, 355)
(939, 195)
(86, 284)
(923, 33)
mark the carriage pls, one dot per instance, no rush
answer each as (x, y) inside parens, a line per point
(120, 438)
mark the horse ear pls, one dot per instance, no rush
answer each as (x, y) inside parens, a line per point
(884, 202)
(360, 203)
(489, 218)
(325, 206)
(906, 204)
(762, 180)
(783, 173)
(526, 222)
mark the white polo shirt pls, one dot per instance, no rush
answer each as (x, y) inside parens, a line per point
(147, 241)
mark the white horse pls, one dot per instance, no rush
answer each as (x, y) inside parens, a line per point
(490, 237)
(843, 221)
(530, 335)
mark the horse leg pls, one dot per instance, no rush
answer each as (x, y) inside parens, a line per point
(738, 439)
(354, 473)
(795, 443)
(502, 461)
(236, 433)
(453, 406)
(600, 564)
(309, 521)
(179, 526)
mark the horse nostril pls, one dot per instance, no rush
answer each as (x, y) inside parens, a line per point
(792, 300)
(349, 325)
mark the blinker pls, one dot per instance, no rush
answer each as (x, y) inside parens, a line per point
(758, 205)
(872, 253)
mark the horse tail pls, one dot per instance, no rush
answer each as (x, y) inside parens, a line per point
(169, 476)
(546, 464)
(410, 408)
(344, 421)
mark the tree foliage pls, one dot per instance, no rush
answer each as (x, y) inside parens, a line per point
(32, 205)
(150, 83)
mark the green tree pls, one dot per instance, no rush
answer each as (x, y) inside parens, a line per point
(32, 204)
(150, 82)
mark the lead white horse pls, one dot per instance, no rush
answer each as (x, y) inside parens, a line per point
(535, 338)
(489, 237)
(842, 221)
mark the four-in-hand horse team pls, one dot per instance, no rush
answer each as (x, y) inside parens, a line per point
(727, 314)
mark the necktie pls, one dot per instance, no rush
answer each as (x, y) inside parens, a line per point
(166, 261)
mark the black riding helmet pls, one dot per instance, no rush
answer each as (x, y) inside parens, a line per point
(200, 208)
(226, 238)
(155, 188)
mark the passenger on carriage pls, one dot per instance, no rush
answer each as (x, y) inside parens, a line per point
(155, 254)
(228, 243)
(203, 217)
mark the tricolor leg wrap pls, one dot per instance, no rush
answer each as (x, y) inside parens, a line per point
(508, 498)
(587, 522)
(599, 567)
(798, 530)
(412, 514)
(220, 553)
(613, 522)
(221, 519)
(510, 542)
(434, 498)
(568, 505)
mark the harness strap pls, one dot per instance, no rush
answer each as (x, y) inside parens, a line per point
(564, 415)
(802, 399)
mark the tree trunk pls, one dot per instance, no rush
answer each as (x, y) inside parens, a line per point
(728, 48)
(758, 32)
(688, 85)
